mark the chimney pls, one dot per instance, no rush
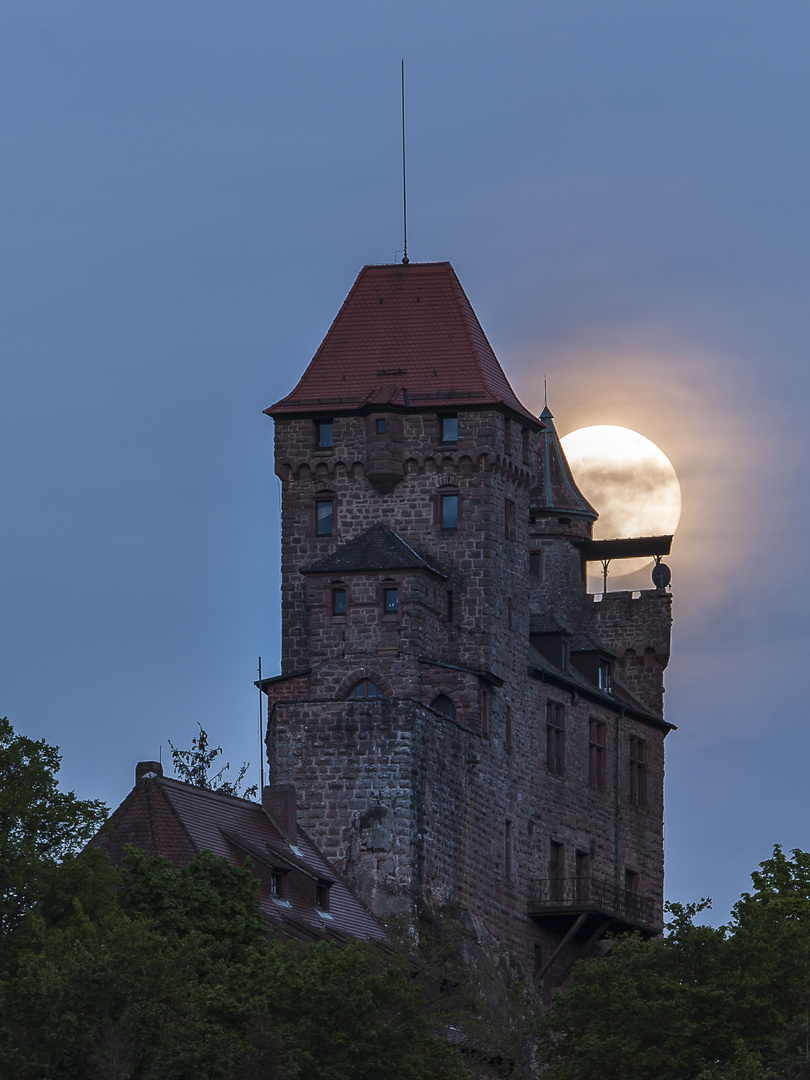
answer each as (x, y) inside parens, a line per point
(280, 803)
(147, 770)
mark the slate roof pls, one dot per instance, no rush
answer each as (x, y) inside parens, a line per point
(573, 679)
(585, 641)
(406, 336)
(378, 548)
(162, 816)
(556, 491)
(546, 623)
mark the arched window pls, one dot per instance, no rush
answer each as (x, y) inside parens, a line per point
(443, 704)
(365, 689)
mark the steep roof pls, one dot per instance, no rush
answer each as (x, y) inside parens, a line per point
(378, 548)
(162, 816)
(405, 336)
(557, 492)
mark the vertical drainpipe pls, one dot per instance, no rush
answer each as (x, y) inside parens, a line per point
(618, 808)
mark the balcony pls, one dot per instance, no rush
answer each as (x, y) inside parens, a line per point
(563, 901)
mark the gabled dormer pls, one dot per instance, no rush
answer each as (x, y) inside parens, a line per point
(552, 639)
(594, 660)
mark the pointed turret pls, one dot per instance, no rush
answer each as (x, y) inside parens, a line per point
(556, 493)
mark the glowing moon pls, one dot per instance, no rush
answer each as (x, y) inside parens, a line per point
(629, 481)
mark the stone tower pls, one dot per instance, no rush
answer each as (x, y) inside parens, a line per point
(463, 723)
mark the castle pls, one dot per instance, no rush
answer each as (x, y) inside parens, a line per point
(457, 721)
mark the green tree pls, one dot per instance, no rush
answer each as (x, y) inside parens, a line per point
(699, 1003)
(40, 825)
(168, 975)
(194, 767)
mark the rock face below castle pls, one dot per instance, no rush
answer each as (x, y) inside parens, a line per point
(464, 724)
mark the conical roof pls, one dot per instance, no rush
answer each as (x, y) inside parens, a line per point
(556, 492)
(405, 336)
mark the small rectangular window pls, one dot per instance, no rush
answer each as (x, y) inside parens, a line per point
(322, 895)
(555, 738)
(338, 601)
(597, 756)
(449, 507)
(277, 884)
(391, 601)
(449, 426)
(324, 430)
(380, 424)
(324, 517)
(535, 564)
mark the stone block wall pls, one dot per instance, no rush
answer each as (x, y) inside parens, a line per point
(637, 627)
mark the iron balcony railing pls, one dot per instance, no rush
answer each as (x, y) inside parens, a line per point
(592, 894)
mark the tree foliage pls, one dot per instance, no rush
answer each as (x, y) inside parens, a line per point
(700, 1003)
(194, 767)
(39, 824)
(154, 971)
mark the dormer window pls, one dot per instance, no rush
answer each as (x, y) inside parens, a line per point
(606, 676)
(324, 434)
(322, 895)
(449, 428)
(277, 884)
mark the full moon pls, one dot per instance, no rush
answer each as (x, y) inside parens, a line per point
(629, 481)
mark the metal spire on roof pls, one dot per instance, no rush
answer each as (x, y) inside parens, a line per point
(405, 258)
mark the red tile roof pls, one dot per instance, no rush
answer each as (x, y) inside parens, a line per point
(406, 336)
(166, 817)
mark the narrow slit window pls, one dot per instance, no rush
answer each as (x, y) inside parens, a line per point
(597, 756)
(638, 772)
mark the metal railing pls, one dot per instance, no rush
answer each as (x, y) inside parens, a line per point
(592, 893)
